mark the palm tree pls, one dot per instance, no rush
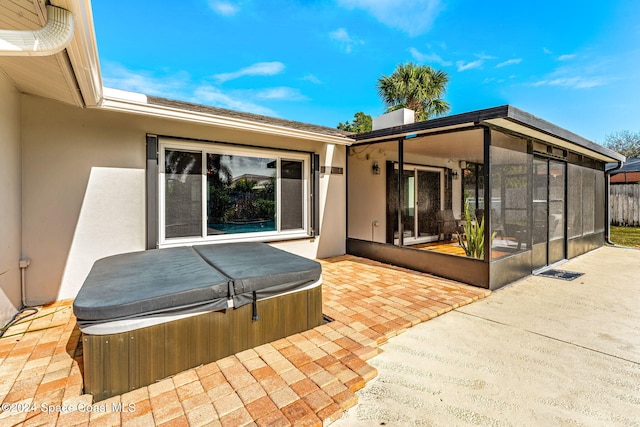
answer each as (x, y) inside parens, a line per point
(417, 87)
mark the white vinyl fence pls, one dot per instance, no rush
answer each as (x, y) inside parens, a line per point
(624, 200)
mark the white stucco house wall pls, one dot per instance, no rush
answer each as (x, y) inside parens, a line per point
(80, 174)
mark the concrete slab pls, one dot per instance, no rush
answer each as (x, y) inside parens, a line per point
(539, 352)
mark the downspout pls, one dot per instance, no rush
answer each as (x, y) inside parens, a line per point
(54, 37)
(607, 209)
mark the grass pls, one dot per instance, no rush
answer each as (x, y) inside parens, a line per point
(626, 236)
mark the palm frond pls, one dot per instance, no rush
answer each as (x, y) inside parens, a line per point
(417, 87)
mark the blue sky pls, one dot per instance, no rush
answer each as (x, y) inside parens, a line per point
(573, 63)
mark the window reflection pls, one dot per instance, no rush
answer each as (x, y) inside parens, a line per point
(473, 186)
(292, 209)
(183, 192)
(241, 194)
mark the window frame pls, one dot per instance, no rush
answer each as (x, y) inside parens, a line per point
(205, 148)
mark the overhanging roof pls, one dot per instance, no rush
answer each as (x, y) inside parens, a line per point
(506, 118)
(72, 75)
(135, 103)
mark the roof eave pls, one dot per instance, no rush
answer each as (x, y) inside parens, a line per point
(536, 123)
(83, 51)
(160, 111)
(434, 125)
(498, 117)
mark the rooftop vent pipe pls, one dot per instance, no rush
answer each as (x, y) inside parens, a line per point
(48, 40)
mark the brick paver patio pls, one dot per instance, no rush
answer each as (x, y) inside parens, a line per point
(305, 379)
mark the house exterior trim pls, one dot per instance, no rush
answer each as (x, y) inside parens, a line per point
(135, 107)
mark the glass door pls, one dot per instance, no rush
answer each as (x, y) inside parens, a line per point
(557, 184)
(540, 213)
(429, 202)
(422, 193)
(409, 208)
(549, 212)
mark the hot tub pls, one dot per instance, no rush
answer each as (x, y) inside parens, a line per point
(147, 315)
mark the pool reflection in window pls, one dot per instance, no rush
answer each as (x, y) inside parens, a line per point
(241, 194)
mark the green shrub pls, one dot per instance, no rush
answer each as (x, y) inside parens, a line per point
(473, 240)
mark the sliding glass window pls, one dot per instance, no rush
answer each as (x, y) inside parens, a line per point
(240, 193)
(183, 189)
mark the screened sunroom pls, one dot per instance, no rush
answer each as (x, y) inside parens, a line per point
(485, 197)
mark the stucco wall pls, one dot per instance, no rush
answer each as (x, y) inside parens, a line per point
(10, 176)
(367, 198)
(367, 192)
(84, 186)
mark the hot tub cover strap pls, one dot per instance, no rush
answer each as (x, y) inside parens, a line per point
(169, 280)
(254, 307)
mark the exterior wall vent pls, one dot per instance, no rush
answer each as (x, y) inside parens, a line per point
(400, 117)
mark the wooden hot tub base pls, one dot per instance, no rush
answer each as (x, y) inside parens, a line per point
(121, 362)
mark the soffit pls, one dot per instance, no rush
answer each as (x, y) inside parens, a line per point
(50, 77)
(464, 145)
(467, 145)
(22, 14)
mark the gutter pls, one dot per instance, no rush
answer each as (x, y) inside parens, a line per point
(54, 37)
(607, 209)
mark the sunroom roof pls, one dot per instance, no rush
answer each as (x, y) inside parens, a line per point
(506, 117)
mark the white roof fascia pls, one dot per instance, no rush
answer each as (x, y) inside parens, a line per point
(524, 130)
(414, 134)
(83, 51)
(134, 107)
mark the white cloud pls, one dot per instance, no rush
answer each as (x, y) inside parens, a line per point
(428, 57)
(488, 80)
(575, 82)
(311, 78)
(483, 56)
(116, 76)
(547, 51)
(342, 36)
(566, 57)
(584, 73)
(257, 69)
(224, 8)
(463, 66)
(509, 62)
(180, 86)
(282, 92)
(210, 95)
(413, 17)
